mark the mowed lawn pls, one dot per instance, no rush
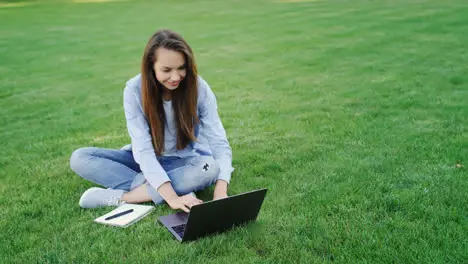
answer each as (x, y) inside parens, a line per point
(353, 114)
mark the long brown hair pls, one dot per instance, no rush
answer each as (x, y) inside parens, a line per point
(184, 98)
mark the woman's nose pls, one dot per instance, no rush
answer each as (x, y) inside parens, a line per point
(175, 77)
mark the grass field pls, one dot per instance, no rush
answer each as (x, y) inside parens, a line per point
(353, 113)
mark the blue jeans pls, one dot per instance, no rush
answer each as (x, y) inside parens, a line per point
(117, 169)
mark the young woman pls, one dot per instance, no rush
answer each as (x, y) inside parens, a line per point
(179, 145)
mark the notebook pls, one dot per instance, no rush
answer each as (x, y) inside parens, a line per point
(139, 211)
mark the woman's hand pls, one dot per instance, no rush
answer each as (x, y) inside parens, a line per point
(183, 202)
(175, 201)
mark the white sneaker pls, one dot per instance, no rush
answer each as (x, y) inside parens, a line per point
(99, 197)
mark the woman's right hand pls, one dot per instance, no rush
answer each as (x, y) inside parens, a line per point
(184, 202)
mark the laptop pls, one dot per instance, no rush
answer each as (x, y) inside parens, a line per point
(214, 216)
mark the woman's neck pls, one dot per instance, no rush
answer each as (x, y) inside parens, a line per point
(167, 95)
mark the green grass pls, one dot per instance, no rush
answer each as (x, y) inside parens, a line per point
(354, 115)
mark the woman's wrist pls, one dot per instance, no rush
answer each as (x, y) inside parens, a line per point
(220, 188)
(221, 185)
(167, 192)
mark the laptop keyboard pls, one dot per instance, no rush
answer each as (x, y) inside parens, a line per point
(179, 229)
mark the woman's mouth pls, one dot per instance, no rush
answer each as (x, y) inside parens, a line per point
(174, 83)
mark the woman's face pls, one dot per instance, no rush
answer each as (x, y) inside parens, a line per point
(169, 67)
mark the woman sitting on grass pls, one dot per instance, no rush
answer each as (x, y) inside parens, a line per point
(179, 145)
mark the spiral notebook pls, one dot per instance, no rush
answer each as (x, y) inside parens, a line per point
(125, 215)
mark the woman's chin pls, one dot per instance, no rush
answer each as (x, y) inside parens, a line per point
(171, 88)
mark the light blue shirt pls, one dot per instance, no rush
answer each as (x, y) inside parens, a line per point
(210, 133)
(170, 132)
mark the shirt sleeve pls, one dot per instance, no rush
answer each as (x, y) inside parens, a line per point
(142, 146)
(214, 132)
